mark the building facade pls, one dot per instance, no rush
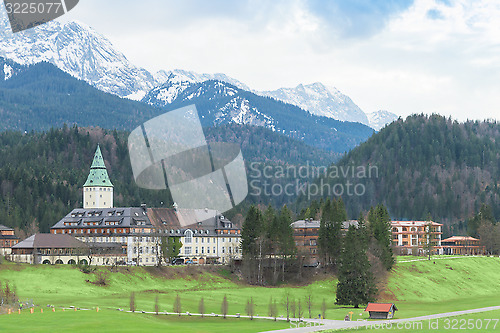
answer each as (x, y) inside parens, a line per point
(463, 245)
(7, 240)
(49, 249)
(305, 234)
(412, 237)
(133, 235)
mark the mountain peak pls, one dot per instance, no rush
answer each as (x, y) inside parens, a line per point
(380, 118)
(321, 101)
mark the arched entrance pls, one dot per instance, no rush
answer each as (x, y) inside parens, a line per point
(59, 262)
(71, 262)
(46, 262)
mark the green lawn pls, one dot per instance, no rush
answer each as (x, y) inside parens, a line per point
(417, 288)
(435, 286)
(115, 321)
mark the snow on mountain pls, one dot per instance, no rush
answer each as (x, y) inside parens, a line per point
(321, 101)
(381, 118)
(78, 50)
(176, 81)
(85, 54)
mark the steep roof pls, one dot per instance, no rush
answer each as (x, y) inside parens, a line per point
(48, 241)
(118, 217)
(98, 175)
(380, 307)
(183, 219)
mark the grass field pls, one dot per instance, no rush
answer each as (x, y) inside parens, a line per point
(435, 286)
(417, 288)
(114, 321)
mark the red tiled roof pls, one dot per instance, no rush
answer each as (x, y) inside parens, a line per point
(414, 223)
(380, 307)
(459, 238)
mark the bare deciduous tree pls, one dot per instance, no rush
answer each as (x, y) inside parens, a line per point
(224, 306)
(177, 305)
(201, 307)
(132, 301)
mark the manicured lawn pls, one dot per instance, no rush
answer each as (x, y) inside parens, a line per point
(435, 286)
(417, 288)
(65, 286)
(115, 321)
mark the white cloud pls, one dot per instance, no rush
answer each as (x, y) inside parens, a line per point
(432, 57)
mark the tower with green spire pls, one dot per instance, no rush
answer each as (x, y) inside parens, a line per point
(98, 189)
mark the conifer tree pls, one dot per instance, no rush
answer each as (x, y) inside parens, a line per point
(356, 282)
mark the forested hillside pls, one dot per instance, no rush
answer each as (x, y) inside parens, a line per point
(427, 165)
(41, 174)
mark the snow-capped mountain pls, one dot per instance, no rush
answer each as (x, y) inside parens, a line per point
(85, 54)
(321, 101)
(379, 119)
(78, 50)
(193, 77)
(221, 103)
(177, 80)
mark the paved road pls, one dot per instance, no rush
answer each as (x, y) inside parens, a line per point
(315, 324)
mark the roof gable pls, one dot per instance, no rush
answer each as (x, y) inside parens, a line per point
(380, 307)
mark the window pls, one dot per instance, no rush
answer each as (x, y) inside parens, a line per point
(208, 240)
(196, 250)
(202, 239)
(140, 249)
(208, 249)
(187, 250)
(202, 249)
(214, 250)
(135, 250)
(188, 236)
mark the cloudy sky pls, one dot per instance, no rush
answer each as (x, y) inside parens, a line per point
(404, 56)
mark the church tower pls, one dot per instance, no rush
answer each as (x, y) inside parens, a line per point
(98, 190)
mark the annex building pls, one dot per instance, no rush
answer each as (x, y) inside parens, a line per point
(412, 237)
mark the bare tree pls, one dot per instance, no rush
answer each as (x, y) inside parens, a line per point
(300, 310)
(201, 307)
(309, 302)
(323, 309)
(273, 309)
(250, 308)
(157, 307)
(293, 307)
(177, 305)
(224, 306)
(132, 301)
(286, 305)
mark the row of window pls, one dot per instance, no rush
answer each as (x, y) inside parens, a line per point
(145, 250)
(188, 250)
(90, 189)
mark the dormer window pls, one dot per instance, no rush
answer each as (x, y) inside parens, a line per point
(188, 236)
